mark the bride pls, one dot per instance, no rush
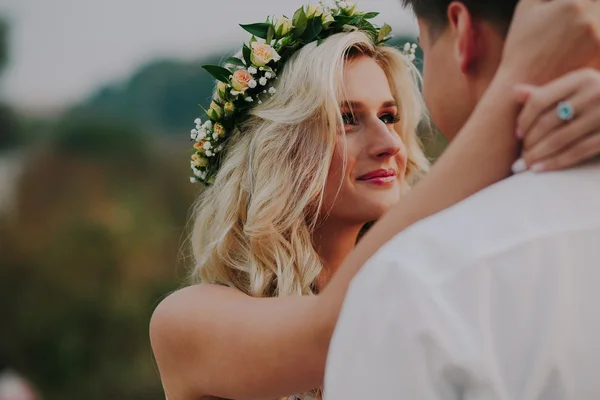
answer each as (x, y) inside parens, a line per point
(311, 135)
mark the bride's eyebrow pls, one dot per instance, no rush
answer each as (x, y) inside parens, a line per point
(390, 103)
(351, 105)
(356, 105)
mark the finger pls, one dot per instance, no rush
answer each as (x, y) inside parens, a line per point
(582, 151)
(562, 139)
(584, 103)
(545, 97)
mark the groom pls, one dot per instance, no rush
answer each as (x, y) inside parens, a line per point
(496, 297)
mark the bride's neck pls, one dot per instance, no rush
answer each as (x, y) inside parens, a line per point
(333, 242)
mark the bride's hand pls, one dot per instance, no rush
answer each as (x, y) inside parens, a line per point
(560, 122)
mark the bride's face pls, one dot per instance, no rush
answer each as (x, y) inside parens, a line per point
(369, 148)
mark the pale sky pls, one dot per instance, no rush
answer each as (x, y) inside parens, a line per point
(62, 50)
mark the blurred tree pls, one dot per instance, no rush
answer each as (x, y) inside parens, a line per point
(161, 97)
(9, 128)
(93, 247)
(3, 43)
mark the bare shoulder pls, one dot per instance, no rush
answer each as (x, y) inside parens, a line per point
(181, 308)
(177, 327)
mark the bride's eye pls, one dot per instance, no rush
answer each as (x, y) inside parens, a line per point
(349, 119)
(390, 119)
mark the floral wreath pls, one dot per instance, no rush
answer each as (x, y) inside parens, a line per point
(249, 79)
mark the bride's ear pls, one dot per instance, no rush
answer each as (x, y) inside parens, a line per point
(465, 43)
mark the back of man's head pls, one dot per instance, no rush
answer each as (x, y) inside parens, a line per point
(499, 12)
(462, 41)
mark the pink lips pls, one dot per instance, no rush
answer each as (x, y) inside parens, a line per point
(379, 176)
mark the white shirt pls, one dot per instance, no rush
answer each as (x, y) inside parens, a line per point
(496, 298)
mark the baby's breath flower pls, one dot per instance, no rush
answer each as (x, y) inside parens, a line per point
(252, 70)
(262, 81)
(249, 99)
(252, 84)
(272, 90)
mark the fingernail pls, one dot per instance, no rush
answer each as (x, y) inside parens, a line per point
(519, 166)
(520, 133)
(538, 167)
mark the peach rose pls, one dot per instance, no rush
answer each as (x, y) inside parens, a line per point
(241, 79)
(262, 54)
(199, 146)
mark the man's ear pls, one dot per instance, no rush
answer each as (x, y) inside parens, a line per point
(463, 31)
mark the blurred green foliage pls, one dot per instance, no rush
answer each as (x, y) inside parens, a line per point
(93, 245)
(3, 43)
(9, 127)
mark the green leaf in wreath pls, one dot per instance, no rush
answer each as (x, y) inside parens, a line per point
(260, 29)
(313, 28)
(219, 73)
(246, 52)
(270, 34)
(384, 31)
(299, 21)
(235, 61)
(370, 15)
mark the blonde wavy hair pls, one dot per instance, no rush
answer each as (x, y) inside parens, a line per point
(253, 227)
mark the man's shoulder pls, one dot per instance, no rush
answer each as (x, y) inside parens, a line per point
(511, 214)
(518, 208)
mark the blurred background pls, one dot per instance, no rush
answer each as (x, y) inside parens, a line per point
(97, 99)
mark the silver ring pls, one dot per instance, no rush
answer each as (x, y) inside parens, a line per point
(565, 111)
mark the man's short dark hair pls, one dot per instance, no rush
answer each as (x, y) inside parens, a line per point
(500, 12)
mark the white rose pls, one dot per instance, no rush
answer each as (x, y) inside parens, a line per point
(313, 11)
(283, 26)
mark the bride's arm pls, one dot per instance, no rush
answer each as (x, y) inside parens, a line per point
(217, 341)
